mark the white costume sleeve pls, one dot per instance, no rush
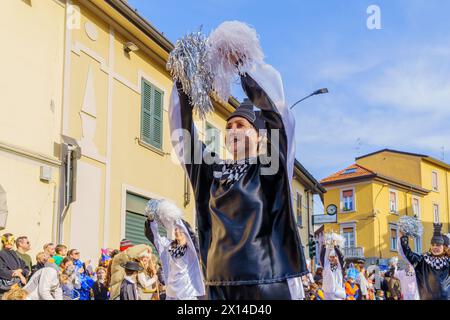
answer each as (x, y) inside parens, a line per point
(161, 242)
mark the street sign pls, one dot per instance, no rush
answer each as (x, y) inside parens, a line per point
(324, 218)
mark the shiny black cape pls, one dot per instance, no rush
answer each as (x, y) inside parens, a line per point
(247, 231)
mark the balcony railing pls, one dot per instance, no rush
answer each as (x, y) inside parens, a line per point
(353, 252)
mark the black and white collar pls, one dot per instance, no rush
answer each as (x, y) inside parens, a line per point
(435, 262)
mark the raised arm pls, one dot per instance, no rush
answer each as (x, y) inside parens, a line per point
(264, 87)
(152, 234)
(340, 257)
(411, 256)
(186, 143)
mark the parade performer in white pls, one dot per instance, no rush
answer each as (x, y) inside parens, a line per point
(181, 268)
(332, 260)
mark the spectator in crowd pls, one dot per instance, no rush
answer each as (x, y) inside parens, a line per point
(379, 295)
(12, 268)
(46, 284)
(363, 283)
(147, 279)
(81, 271)
(351, 288)
(128, 288)
(41, 259)
(73, 281)
(393, 285)
(15, 293)
(100, 289)
(49, 249)
(60, 253)
(23, 246)
(318, 275)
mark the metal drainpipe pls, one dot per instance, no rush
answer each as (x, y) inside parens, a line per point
(308, 209)
(67, 195)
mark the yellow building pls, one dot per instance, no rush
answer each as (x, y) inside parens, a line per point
(373, 193)
(87, 143)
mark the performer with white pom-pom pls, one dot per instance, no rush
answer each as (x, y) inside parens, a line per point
(248, 237)
(432, 268)
(178, 253)
(332, 261)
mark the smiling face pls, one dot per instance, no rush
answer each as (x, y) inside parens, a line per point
(437, 249)
(241, 139)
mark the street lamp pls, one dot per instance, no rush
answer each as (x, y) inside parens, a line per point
(320, 91)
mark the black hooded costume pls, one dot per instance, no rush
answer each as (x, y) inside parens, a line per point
(247, 231)
(432, 272)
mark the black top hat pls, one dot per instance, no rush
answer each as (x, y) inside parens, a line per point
(437, 235)
(132, 265)
(245, 110)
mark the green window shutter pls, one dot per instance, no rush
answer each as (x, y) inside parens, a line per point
(151, 114)
(157, 119)
(146, 111)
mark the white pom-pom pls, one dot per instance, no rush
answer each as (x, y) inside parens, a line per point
(332, 238)
(165, 212)
(410, 226)
(233, 49)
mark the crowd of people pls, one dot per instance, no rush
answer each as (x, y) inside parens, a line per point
(59, 273)
(134, 272)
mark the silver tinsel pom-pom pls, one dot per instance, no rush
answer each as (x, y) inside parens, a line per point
(410, 226)
(188, 63)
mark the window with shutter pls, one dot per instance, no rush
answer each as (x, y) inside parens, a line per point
(151, 114)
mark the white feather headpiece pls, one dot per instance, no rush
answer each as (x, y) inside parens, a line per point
(232, 41)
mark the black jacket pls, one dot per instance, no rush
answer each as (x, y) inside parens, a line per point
(128, 291)
(431, 280)
(247, 230)
(10, 261)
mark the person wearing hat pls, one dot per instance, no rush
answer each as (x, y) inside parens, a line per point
(128, 288)
(125, 244)
(249, 242)
(332, 274)
(351, 287)
(432, 268)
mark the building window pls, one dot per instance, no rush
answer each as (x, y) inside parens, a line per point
(393, 235)
(212, 138)
(392, 201)
(349, 236)
(151, 114)
(418, 245)
(436, 215)
(299, 210)
(434, 181)
(348, 200)
(416, 207)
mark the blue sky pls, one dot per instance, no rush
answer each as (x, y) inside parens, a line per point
(389, 88)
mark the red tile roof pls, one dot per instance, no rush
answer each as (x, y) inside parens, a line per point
(351, 172)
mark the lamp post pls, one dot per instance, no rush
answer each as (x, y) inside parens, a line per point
(320, 91)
